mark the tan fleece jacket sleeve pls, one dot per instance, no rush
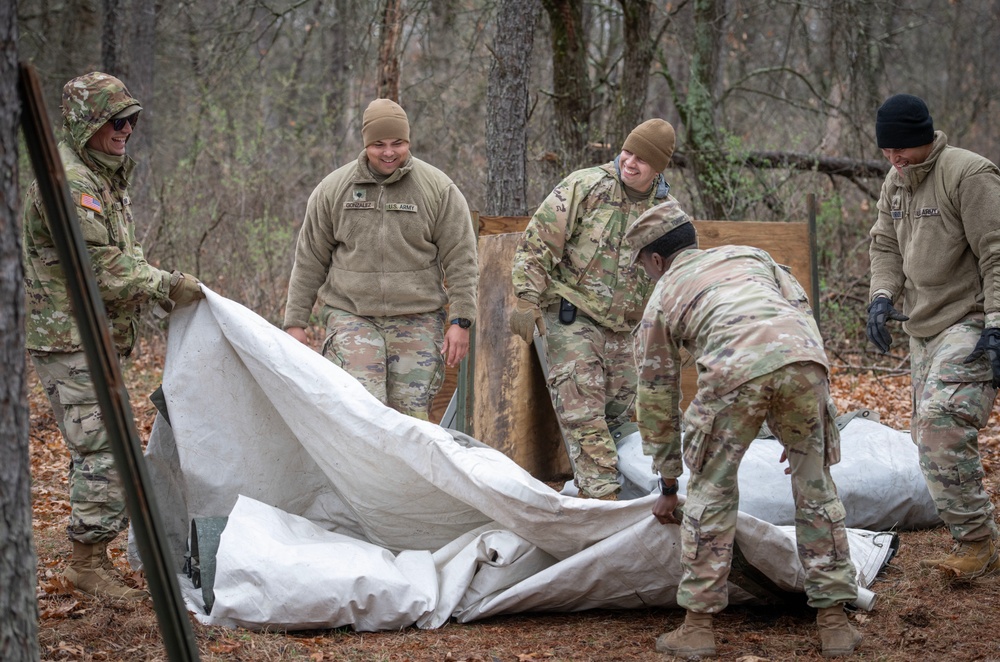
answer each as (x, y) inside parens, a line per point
(980, 209)
(455, 238)
(313, 253)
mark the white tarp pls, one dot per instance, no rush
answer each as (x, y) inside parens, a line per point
(344, 512)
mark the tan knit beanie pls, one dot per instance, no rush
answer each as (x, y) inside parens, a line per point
(384, 119)
(653, 142)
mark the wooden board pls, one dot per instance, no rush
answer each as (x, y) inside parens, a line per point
(512, 411)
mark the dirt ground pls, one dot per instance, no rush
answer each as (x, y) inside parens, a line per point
(918, 616)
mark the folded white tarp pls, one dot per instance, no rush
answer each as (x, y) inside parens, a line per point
(344, 512)
(878, 478)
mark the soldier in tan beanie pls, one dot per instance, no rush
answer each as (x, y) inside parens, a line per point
(379, 238)
(575, 282)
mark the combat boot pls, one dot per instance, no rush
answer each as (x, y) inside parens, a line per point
(836, 634)
(694, 638)
(971, 559)
(88, 572)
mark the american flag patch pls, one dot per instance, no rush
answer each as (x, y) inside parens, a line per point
(90, 202)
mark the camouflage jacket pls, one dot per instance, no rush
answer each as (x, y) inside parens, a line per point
(98, 185)
(935, 248)
(574, 248)
(740, 315)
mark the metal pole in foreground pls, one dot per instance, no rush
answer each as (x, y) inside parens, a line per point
(101, 358)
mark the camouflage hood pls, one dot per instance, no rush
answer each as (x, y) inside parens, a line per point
(88, 102)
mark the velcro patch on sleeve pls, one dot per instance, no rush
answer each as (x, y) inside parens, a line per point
(90, 202)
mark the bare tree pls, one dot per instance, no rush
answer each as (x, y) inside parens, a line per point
(113, 38)
(570, 81)
(711, 173)
(18, 608)
(141, 58)
(507, 97)
(388, 54)
(637, 54)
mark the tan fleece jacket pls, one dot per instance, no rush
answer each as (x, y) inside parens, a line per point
(937, 239)
(380, 250)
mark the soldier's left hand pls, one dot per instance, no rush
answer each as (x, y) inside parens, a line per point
(456, 345)
(989, 344)
(184, 288)
(664, 509)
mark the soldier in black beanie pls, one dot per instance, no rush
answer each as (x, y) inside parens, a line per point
(935, 253)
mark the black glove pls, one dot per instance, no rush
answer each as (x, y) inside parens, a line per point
(878, 311)
(989, 343)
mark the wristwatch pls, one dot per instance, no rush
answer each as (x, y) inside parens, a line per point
(462, 322)
(668, 491)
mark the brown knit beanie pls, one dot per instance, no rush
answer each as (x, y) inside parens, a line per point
(384, 119)
(653, 142)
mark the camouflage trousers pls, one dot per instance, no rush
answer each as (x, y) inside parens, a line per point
(397, 359)
(592, 381)
(951, 403)
(96, 494)
(795, 403)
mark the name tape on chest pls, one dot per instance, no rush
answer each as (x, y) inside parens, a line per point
(400, 206)
(390, 206)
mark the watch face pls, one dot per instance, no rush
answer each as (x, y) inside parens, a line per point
(462, 322)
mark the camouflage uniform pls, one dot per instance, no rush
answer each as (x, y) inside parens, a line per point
(572, 249)
(951, 402)
(760, 359)
(935, 248)
(397, 359)
(375, 253)
(98, 185)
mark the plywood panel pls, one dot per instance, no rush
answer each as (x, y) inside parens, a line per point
(788, 244)
(512, 410)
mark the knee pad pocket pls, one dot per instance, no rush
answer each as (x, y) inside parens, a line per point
(691, 528)
(833, 517)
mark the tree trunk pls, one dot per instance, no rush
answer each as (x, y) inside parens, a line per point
(638, 56)
(141, 72)
(507, 98)
(570, 82)
(18, 608)
(113, 38)
(336, 95)
(388, 53)
(712, 177)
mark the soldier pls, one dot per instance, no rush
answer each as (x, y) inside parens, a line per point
(99, 116)
(575, 283)
(379, 237)
(935, 244)
(760, 358)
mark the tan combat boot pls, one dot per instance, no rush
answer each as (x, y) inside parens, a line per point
(836, 634)
(91, 571)
(694, 638)
(970, 559)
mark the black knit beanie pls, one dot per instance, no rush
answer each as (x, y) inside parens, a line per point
(903, 121)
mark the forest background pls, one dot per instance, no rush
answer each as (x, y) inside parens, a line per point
(248, 104)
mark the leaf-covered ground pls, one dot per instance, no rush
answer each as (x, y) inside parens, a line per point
(919, 615)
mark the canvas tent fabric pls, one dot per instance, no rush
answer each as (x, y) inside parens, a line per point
(344, 512)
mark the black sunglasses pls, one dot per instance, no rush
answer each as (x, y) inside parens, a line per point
(119, 123)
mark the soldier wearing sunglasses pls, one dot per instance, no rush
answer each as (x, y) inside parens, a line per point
(99, 116)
